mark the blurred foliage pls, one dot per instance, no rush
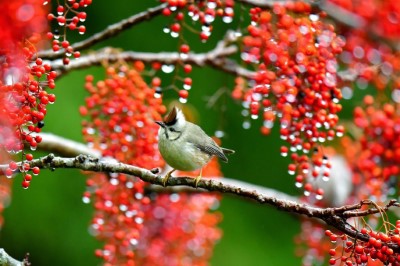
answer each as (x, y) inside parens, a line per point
(50, 221)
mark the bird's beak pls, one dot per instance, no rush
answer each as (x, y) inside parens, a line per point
(160, 123)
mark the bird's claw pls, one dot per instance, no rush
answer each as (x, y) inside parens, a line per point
(166, 177)
(197, 180)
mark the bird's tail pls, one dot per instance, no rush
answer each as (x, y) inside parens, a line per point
(227, 151)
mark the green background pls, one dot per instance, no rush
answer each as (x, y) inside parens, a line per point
(50, 221)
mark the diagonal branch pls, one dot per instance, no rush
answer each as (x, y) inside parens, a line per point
(7, 260)
(110, 31)
(216, 58)
(335, 217)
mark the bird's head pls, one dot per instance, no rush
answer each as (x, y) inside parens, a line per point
(173, 125)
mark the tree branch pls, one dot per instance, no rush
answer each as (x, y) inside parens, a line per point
(7, 260)
(65, 147)
(335, 217)
(110, 31)
(215, 58)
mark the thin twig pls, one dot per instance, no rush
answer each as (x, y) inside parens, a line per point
(216, 58)
(110, 31)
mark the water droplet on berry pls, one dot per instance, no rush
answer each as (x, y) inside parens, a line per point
(166, 30)
(123, 208)
(227, 19)
(167, 68)
(133, 241)
(114, 181)
(396, 95)
(325, 178)
(86, 200)
(219, 134)
(33, 148)
(268, 123)
(303, 30)
(358, 52)
(183, 100)
(187, 87)
(174, 34)
(319, 197)
(330, 79)
(246, 124)
(174, 197)
(314, 17)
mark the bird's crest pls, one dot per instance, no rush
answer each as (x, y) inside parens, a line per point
(171, 117)
(175, 117)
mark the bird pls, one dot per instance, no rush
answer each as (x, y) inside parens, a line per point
(185, 146)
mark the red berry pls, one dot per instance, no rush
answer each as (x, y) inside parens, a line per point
(29, 157)
(25, 184)
(183, 94)
(35, 170)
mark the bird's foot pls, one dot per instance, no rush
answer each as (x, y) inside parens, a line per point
(197, 180)
(166, 177)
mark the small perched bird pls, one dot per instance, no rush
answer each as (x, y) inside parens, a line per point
(185, 146)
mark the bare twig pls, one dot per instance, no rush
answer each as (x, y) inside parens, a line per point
(110, 31)
(336, 217)
(7, 260)
(216, 58)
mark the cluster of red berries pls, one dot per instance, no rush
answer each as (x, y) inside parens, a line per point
(25, 98)
(136, 225)
(311, 243)
(388, 24)
(375, 160)
(68, 16)
(21, 19)
(295, 83)
(121, 111)
(379, 247)
(186, 82)
(203, 11)
(182, 219)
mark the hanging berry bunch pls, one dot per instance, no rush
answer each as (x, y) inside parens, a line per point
(25, 100)
(198, 12)
(295, 84)
(377, 245)
(68, 16)
(137, 227)
(24, 79)
(182, 219)
(121, 111)
(375, 158)
(386, 26)
(204, 12)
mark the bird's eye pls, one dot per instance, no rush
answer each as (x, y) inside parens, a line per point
(172, 129)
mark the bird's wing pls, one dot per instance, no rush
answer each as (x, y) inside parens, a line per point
(206, 144)
(212, 149)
